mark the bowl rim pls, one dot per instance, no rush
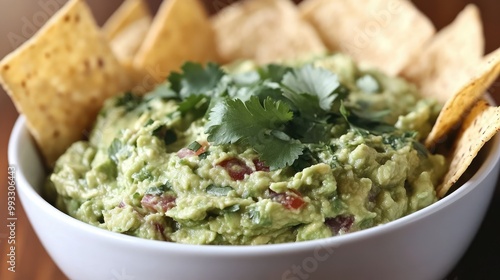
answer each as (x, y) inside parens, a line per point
(22, 185)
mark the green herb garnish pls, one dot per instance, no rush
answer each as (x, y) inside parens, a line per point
(142, 175)
(364, 123)
(276, 110)
(196, 80)
(194, 146)
(307, 81)
(155, 190)
(129, 100)
(259, 125)
(114, 149)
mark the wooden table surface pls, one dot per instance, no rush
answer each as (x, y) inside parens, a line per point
(32, 262)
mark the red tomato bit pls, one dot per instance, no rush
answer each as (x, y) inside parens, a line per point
(341, 222)
(158, 203)
(260, 165)
(186, 152)
(291, 199)
(236, 168)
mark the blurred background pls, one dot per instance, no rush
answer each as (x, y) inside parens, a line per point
(20, 19)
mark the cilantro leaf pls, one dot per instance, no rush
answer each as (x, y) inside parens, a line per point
(309, 131)
(155, 190)
(399, 140)
(218, 190)
(246, 78)
(305, 160)
(162, 91)
(114, 149)
(129, 100)
(259, 125)
(277, 152)
(231, 120)
(197, 104)
(273, 72)
(372, 115)
(362, 124)
(314, 81)
(196, 80)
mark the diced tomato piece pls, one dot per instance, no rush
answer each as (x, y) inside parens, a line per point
(202, 149)
(158, 203)
(185, 152)
(290, 199)
(341, 222)
(260, 165)
(236, 168)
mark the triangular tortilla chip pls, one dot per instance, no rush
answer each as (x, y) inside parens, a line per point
(59, 78)
(180, 32)
(382, 34)
(265, 31)
(457, 47)
(480, 125)
(125, 46)
(470, 91)
(126, 43)
(129, 12)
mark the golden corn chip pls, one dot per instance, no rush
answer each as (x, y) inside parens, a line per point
(126, 43)
(265, 31)
(126, 29)
(382, 34)
(438, 68)
(484, 74)
(480, 125)
(59, 78)
(180, 32)
(129, 12)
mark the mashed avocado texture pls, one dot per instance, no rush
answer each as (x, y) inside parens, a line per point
(254, 155)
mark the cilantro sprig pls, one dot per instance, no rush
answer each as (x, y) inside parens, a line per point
(287, 108)
(260, 125)
(196, 80)
(276, 110)
(311, 86)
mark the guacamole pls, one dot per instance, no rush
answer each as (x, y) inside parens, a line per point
(252, 154)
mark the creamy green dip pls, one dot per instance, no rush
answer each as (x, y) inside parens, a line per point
(157, 166)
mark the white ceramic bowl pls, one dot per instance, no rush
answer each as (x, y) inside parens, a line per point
(423, 245)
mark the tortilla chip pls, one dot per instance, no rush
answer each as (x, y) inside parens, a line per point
(125, 46)
(130, 24)
(456, 47)
(480, 125)
(382, 34)
(265, 31)
(59, 78)
(484, 74)
(126, 43)
(180, 32)
(129, 12)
